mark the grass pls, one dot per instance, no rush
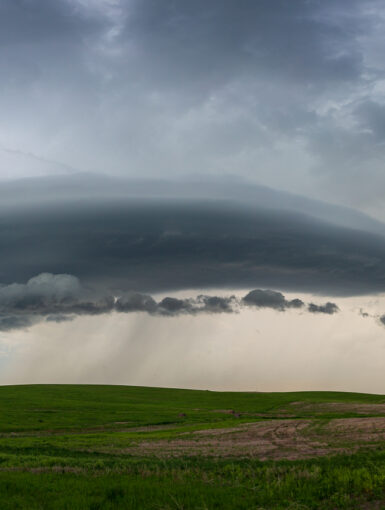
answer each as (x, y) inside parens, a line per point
(42, 407)
(68, 447)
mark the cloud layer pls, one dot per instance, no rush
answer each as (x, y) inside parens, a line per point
(163, 244)
(61, 297)
(276, 91)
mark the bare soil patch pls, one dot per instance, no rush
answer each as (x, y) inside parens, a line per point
(362, 430)
(276, 439)
(338, 407)
(273, 439)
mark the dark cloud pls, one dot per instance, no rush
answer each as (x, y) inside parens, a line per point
(270, 299)
(295, 303)
(202, 304)
(25, 22)
(162, 244)
(88, 188)
(57, 317)
(215, 304)
(269, 90)
(371, 116)
(328, 308)
(174, 306)
(200, 42)
(50, 294)
(171, 88)
(135, 302)
(10, 322)
(206, 44)
(59, 298)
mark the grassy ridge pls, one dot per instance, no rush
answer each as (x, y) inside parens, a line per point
(42, 407)
(65, 447)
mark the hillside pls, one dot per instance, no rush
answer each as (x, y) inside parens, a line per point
(96, 447)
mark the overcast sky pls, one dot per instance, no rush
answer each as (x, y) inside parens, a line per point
(176, 162)
(285, 93)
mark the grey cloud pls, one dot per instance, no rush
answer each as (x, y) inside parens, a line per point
(60, 298)
(270, 299)
(218, 40)
(202, 304)
(88, 188)
(174, 306)
(215, 304)
(148, 88)
(200, 41)
(295, 303)
(10, 322)
(56, 298)
(48, 294)
(382, 319)
(135, 302)
(371, 116)
(57, 317)
(40, 291)
(152, 242)
(43, 21)
(328, 308)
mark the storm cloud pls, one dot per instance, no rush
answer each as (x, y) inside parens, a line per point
(273, 91)
(60, 298)
(156, 237)
(328, 308)
(157, 158)
(53, 296)
(270, 299)
(202, 304)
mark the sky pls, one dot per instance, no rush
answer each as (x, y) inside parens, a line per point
(191, 193)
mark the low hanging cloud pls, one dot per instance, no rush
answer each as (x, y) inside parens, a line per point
(202, 304)
(135, 302)
(61, 297)
(271, 299)
(328, 308)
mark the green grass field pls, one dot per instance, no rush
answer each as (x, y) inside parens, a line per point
(116, 447)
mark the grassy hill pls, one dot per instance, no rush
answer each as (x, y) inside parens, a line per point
(38, 407)
(96, 447)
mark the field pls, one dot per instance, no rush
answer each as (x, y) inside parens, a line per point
(116, 447)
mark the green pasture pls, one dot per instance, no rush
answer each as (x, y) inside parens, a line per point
(63, 447)
(60, 407)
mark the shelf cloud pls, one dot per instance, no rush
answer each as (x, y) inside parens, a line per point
(148, 238)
